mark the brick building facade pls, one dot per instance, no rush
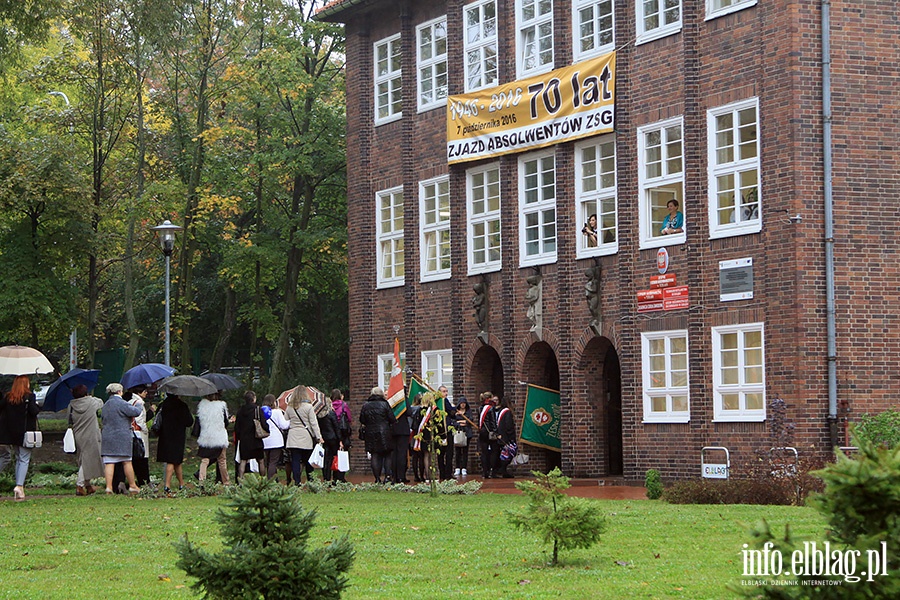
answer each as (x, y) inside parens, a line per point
(719, 105)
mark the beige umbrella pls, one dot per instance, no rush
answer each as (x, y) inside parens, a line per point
(22, 360)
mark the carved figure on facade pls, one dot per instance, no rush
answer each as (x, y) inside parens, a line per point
(592, 295)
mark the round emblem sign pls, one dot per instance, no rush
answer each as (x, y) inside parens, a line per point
(662, 260)
(541, 417)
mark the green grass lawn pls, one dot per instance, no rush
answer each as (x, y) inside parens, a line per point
(407, 546)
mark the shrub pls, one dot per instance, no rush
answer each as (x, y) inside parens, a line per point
(265, 555)
(564, 521)
(861, 502)
(653, 483)
(728, 491)
(882, 428)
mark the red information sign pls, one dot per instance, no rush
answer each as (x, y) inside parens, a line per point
(676, 303)
(679, 291)
(649, 295)
(650, 306)
(662, 281)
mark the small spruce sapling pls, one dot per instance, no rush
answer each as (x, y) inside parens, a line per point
(266, 533)
(566, 522)
(653, 483)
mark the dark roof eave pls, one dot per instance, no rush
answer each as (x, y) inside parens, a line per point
(330, 13)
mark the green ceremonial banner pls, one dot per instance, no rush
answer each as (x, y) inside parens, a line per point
(417, 386)
(540, 425)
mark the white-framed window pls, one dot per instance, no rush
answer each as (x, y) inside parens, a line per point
(739, 378)
(388, 88)
(483, 205)
(431, 63)
(389, 225)
(534, 36)
(386, 367)
(595, 193)
(437, 369)
(480, 44)
(665, 376)
(661, 181)
(593, 28)
(717, 8)
(434, 228)
(657, 18)
(735, 202)
(537, 209)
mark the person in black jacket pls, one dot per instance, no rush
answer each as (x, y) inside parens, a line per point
(18, 414)
(400, 455)
(378, 419)
(176, 419)
(249, 446)
(506, 429)
(328, 428)
(445, 456)
(487, 431)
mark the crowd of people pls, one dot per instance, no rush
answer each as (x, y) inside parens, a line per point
(112, 438)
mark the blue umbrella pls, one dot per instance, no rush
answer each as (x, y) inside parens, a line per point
(145, 374)
(59, 394)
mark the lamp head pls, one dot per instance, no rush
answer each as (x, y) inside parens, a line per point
(166, 232)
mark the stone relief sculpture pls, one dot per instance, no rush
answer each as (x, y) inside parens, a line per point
(592, 295)
(479, 305)
(533, 302)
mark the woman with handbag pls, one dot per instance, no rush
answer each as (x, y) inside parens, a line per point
(116, 444)
(506, 429)
(303, 434)
(18, 414)
(463, 424)
(250, 445)
(83, 411)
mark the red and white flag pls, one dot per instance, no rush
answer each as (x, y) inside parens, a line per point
(396, 392)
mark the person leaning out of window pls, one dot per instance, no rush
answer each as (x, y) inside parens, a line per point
(674, 221)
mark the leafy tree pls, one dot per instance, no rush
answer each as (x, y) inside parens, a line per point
(266, 533)
(882, 428)
(558, 519)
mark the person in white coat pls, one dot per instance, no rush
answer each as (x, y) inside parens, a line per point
(303, 433)
(274, 444)
(212, 442)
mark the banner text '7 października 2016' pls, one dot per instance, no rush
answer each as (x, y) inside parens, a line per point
(563, 105)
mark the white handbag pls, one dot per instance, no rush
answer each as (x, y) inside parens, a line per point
(317, 458)
(343, 461)
(33, 439)
(69, 441)
(460, 438)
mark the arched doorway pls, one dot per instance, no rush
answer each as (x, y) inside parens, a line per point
(486, 374)
(601, 376)
(541, 368)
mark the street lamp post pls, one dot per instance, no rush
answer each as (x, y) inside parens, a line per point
(167, 241)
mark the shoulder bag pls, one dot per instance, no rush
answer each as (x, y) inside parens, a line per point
(69, 438)
(156, 427)
(34, 439)
(258, 429)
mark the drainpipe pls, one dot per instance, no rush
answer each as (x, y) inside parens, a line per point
(829, 223)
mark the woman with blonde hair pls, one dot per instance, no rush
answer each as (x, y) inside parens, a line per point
(303, 433)
(117, 435)
(18, 414)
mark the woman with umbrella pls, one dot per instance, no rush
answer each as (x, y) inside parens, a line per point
(18, 414)
(176, 419)
(83, 410)
(116, 445)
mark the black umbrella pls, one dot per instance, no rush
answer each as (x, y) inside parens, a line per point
(187, 385)
(223, 382)
(59, 394)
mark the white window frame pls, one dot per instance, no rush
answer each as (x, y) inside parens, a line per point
(669, 389)
(642, 12)
(481, 224)
(390, 239)
(746, 217)
(533, 24)
(742, 388)
(434, 227)
(392, 78)
(578, 6)
(540, 208)
(648, 185)
(443, 374)
(597, 194)
(719, 8)
(484, 44)
(386, 367)
(428, 69)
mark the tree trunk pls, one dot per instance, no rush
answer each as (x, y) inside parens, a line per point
(228, 322)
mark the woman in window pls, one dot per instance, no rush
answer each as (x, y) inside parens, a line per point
(674, 221)
(590, 231)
